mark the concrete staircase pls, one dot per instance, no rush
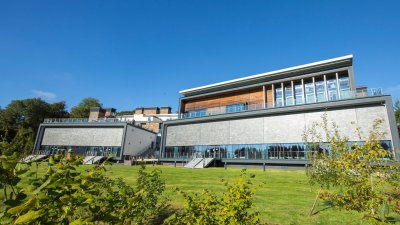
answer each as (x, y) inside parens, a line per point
(92, 159)
(32, 158)
(204, 163)
(88, 159)
(199, 163)
(192, 163)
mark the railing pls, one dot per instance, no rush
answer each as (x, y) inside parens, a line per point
(227, 109)
(240, 107)
(82, 120)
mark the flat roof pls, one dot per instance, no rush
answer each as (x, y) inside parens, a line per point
(269, 74)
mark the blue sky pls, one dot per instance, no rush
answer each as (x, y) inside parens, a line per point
(141, 53)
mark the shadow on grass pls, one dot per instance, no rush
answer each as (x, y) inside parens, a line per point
(164, 213)
(316, 212)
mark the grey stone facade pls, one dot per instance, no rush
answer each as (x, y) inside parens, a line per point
(286, 128)
(85, 136)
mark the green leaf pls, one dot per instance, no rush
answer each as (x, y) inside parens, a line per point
(77, 222)
(28, 217)
(21, 207)
(42, 186)
(383, 210)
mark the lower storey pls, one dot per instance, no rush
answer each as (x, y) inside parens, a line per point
(283, 152)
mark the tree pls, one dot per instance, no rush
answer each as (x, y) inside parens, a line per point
(397, 112)
(361, 177)
(20, 120)
(82, 110)
(57, 110)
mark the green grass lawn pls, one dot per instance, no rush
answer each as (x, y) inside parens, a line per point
(283, 197)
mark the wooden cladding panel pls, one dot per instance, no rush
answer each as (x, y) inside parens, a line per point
(250, 96)
(270, 95)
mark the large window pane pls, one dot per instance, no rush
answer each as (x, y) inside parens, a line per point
(298, 90)
(278, 97)
(320, 89)
(344, 86)
(332, 89)
(289, 95)
(309, 89)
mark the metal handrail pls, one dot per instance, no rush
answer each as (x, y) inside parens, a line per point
(82, 120)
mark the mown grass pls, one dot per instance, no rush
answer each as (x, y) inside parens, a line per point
(282, 196)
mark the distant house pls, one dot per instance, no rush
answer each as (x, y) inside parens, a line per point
(261, 118)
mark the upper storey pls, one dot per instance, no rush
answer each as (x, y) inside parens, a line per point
(305, 70)
(327, 80)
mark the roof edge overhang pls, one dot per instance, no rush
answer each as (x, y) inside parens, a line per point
(342, 61)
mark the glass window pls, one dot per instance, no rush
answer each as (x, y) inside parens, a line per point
(278, 97)
(236, 108)
(289, 95)
(309, 89)
(332, 89)
(344, 86)
(298, 90)
(196, 113)
(320, 89)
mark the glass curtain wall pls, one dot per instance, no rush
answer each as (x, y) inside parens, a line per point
(284, 151)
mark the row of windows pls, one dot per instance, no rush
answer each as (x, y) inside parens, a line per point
(84, 150)
(286, 95)
(295, 151)
(317, 91)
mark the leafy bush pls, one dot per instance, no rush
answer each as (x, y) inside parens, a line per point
(64, 195)
(9, 177)
(207, 208)
(363, 177)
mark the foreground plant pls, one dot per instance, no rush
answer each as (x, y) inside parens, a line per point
(9, 177)
(66, 196)
(363, 177)
(207, 208)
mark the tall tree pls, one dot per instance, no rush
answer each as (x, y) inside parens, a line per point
(20, 121)
(82, 110)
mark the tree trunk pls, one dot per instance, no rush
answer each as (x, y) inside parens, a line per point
(315, 202)
(372, 188)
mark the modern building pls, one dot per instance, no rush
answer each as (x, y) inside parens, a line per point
(262, 118)
(95, 138)
(105, 132)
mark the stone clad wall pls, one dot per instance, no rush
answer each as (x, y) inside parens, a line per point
(86, 136)
(276, 128)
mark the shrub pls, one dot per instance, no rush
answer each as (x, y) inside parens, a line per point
(207, 208)
(64, 195)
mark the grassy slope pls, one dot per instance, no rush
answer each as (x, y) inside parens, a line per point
(284, 196)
